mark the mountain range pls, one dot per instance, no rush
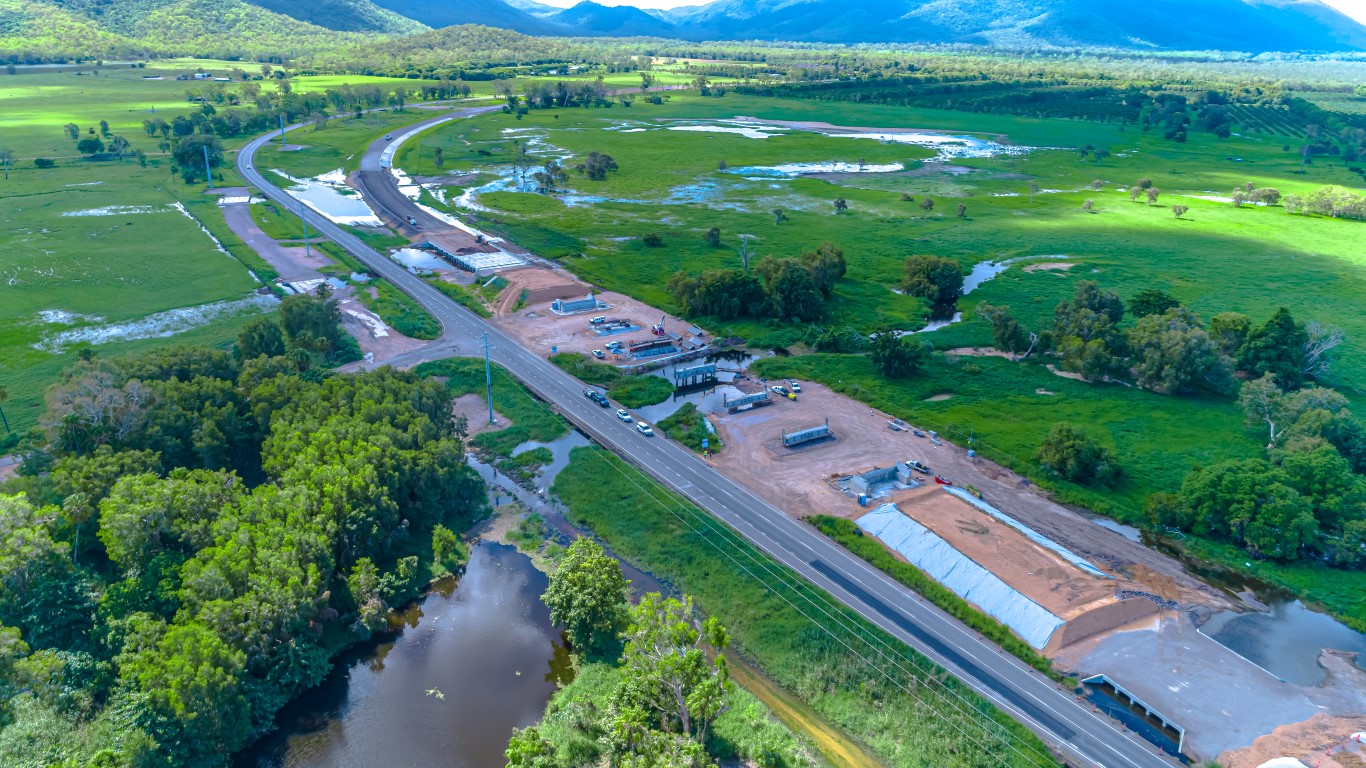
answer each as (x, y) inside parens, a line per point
(1236, 25)
(1244, 25)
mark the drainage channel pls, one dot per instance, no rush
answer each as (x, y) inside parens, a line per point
(1117, 702)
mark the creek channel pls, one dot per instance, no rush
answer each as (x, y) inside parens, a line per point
(981, 273)
(459, 670)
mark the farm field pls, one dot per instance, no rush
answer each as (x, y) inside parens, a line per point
(87, 255)
(671, 183)
(101, 242)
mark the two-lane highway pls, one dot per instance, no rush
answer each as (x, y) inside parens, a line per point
(1071, 727)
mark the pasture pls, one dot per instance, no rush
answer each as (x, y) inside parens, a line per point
(1022, 203)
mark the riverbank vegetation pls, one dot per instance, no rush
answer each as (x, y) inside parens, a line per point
(195, 534)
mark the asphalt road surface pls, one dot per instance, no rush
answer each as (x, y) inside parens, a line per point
(1069, 726)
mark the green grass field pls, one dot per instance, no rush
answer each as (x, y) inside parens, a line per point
(1217, 258)
(103, 243)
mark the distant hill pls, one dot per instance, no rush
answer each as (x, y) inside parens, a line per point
(594, 20)
(36, 30)
(1245, 25)
(344, 15)
(44, 29)
(1242, 25)
(490, 13)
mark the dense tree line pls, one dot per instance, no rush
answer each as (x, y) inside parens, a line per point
(1306, 498)
(194, 532)
(788, 288)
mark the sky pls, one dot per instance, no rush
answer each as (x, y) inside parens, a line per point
(1354, 8)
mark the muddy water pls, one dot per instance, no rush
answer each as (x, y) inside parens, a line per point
(1285, 640)
(484, 643)
(1282, 635)
(559, 449)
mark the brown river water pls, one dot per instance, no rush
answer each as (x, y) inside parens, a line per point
(472, 660)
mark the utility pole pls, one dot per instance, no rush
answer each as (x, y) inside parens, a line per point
(488, 377)
(305, 221)
(282, 132)
(207, 170)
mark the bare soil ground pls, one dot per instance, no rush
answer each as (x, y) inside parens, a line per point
(1322, 741)
(977, 352)
(542, 286)
(1038, 574)
(384, 348)
(476, 412)
(1050, 266)
(539, 329)
(289, 261)
(798, 482)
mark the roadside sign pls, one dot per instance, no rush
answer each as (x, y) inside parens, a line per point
(554, 348)
(704, 443)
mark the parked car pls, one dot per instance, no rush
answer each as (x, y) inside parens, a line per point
(596, 396)
(624, 415)
(942, 480)
(614, 345)
(599, 320)
(796, 386)
(598, 354)
(918, 466)
(917, 433)
(644, 428)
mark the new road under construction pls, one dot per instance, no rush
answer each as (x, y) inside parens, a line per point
(1072, 728)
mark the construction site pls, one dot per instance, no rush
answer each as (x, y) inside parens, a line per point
(1123, 617)
(551, 312)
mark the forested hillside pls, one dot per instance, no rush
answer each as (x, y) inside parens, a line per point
(43, 31)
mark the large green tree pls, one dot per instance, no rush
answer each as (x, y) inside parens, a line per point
(1068, 452)
(675, 670)
(588, 596)
(895, 355)
(1172, 353)
(935, 279)
(1276, 347)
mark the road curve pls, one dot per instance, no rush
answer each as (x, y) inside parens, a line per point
(1071, 727)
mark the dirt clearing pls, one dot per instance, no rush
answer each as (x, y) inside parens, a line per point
(539, 329)
(290, 261)
(798, 482)
(1322, 741)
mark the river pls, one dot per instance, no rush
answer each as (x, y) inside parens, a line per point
(472, 660)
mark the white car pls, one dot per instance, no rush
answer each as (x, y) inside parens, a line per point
(796, 387)
(644, 428)
(598, 354)
(624, 415)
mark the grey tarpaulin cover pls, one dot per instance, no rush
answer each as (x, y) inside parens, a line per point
(956, 571)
